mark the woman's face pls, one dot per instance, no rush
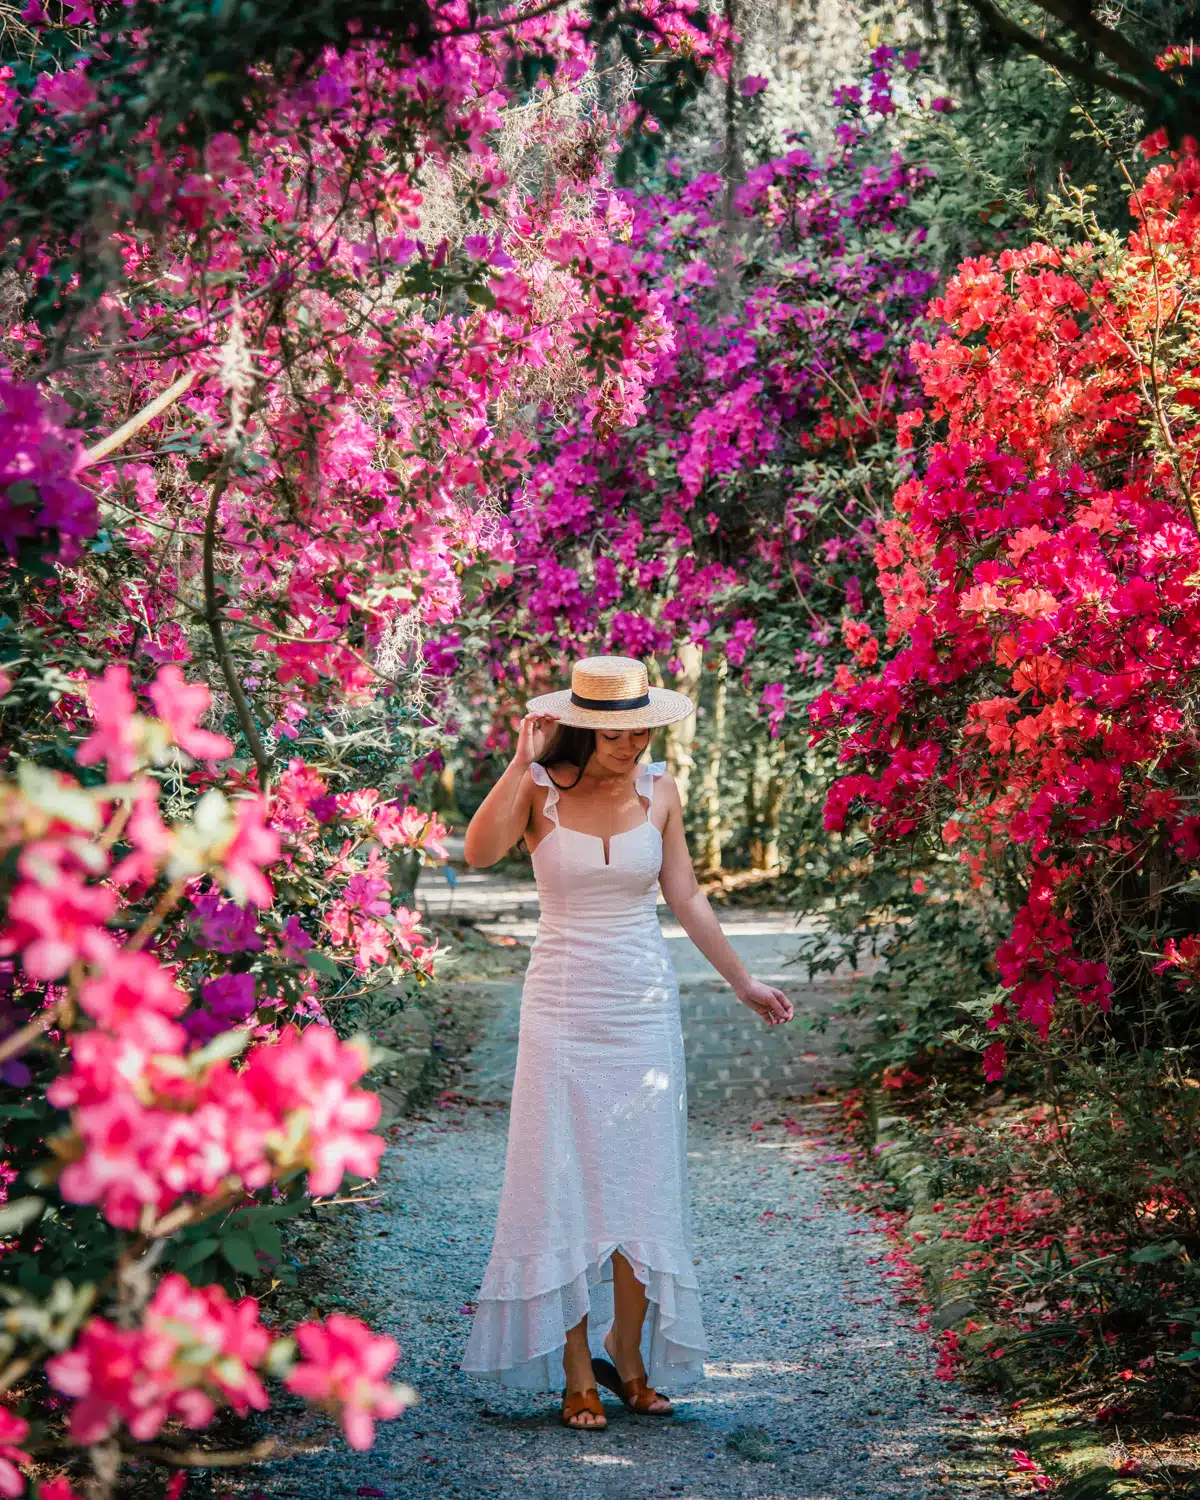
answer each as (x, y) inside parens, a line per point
(617, 749)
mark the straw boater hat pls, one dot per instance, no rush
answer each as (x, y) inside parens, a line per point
(612, 692)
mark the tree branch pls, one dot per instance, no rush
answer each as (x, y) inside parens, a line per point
(21, 1039)
(212, 615)
(995, 19)
(203, 1458)
(1096, 34)
(139, 420)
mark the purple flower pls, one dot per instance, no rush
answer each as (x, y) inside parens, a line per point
(294, 942)
(324, 809)
(229, 999)
(226, 927)
(39, 459)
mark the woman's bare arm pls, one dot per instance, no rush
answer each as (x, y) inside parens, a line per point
(503, 816)
(690, 907)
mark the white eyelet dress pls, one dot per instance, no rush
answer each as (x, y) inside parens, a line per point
(597, 1137)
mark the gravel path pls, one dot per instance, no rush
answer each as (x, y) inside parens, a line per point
(818, 1386)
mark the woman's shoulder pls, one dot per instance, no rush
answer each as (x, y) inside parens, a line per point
(661, 782)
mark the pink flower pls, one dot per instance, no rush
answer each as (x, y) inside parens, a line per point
(774, 701)
(254, 846)
(52, 927)
(407, 929)
(410, 827)
(306, 1082)
(372, 945)
(117, 737)
(119, 1138)
(67, 93)
(136, 995)
(58, 1488)
(342, 1369)
(994, 1062)
(39, 461)
(150, 837)
(180, 705)
(754, 84)
(358, 804)
(223, 154)
(13, 1431)
(195, 1351)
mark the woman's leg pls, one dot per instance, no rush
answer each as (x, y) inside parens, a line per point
(624, 1339)
(577, 1368)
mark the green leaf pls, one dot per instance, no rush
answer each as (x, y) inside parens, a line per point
(238, 1251)
(14, 1216)
(321, 963)
(191, 1255)
(265, 1237)
(1150, 1255)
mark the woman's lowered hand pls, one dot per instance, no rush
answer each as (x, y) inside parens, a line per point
(765, 1000)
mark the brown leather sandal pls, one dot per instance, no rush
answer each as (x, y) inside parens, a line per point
(582, 1401)
(635, 1394)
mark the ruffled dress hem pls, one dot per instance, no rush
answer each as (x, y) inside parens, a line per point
(528, 1303)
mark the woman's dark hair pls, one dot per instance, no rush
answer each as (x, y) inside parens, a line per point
(570, 746)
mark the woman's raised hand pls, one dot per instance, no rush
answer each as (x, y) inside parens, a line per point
(533, 737)
(765, 1000)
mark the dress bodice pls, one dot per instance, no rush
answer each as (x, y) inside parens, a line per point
(573, 880)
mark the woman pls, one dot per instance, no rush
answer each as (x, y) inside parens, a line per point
(593, 1214)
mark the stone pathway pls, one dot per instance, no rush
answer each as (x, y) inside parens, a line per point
(818, 1387)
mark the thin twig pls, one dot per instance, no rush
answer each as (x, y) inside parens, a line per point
(201, 1458)
(19, 1040)
(212, 615)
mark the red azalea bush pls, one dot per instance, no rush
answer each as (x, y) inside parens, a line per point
(1041, 597)
(1036, 715)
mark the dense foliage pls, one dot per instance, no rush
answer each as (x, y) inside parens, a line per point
(1034, 718)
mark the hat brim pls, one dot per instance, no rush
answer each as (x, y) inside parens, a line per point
(665, 707)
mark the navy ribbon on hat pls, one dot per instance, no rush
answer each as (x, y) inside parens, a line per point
(615, 705)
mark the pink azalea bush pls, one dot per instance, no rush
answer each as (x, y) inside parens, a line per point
(173, 1098)
(250, 455)
(197, 1351)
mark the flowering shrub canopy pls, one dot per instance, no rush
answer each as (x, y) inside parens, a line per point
(737, 511)
(1040, 579)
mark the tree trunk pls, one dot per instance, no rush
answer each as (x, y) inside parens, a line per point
(681, 736)
(444, 799)
(756, 794)
(710, 783)
(764, 802)
(773, 807)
